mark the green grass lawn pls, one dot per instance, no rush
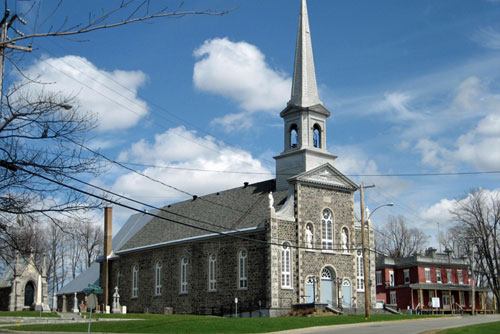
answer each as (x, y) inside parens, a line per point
(489, 328)
(27, 314)
(180, 324)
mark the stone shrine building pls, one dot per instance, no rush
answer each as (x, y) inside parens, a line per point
(24, 287)
(273, 244)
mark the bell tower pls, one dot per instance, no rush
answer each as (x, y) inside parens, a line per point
(304, 116)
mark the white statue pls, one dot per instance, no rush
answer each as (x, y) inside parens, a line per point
(345, 239)
(271, 200)
(309, 237)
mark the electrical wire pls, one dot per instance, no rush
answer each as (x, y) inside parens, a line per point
(228, 234)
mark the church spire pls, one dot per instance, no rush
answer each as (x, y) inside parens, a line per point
(304, 88)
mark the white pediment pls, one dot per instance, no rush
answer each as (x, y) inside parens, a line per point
(326, 175)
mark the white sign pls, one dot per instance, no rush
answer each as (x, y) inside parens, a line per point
(91, 301)
(435, 302)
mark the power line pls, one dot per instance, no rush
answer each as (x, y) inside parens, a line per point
(228, 234)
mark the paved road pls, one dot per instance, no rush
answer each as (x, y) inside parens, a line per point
(399, 327)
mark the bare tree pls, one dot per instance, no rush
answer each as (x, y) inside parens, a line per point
(43, 136)
(91, 240)
(477, 219)
(397, 239)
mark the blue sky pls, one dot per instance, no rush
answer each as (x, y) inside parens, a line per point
(413, 87)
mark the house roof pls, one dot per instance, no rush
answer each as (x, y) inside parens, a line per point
(237, 209)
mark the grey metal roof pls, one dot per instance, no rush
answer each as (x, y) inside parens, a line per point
(231, 210)
(89, 276)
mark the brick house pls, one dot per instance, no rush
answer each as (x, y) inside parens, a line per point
(290, 240)
(412, 282)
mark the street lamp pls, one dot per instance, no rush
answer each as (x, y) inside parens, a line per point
(363, 241)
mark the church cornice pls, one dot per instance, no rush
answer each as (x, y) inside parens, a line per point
(292, 108)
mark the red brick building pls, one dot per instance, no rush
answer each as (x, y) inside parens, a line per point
(430, 282)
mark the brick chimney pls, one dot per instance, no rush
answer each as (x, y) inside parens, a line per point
(108, 222)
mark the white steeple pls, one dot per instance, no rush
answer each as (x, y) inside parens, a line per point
(304, 88)
(305, 116)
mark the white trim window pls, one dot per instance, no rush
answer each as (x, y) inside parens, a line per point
(135, 281)
(449, 279)
(460, 277)
(391, 278)
(438, 276)
(158, 279)
(327, 229)
(378, 277)
(212, 273)
(360, 281)
(427, 274)
(407, 275)
(118, 276)
(184, 274)
(242, 269)
(285, 266)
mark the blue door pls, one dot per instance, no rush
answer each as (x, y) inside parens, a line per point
(346, 293)
(327, 287)
(310, 290)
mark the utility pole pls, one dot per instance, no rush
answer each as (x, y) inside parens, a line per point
(4, 42)
(473, 281)
(363, 241)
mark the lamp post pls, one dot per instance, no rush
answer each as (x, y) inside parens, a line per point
(363, 241)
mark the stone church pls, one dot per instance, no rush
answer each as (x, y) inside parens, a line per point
(260, 248)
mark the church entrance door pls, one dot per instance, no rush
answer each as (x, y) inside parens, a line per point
(346, 294)
(327, 288)
(29, 294)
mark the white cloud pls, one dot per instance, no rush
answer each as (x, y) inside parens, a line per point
(189, 155)
(480, 145)
(488, 37)
(440, 211)
(234, 122)
(239, 71)
(397, 105)
(354, 161)
(112, 96)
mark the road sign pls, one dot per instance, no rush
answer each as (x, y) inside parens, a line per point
(92, 286)
(92, 301)
(97, 291)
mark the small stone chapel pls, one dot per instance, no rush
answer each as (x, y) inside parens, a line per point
(262, 248)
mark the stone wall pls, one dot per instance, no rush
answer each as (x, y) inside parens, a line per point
(198, 300)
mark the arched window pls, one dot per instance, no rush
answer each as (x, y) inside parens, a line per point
(285, 266)
(309, 236)
(158, 278)
(118, 274)
(135, 281)
(317, 136)
(327, 229)
(242, 269)
(212, 273)
(360, 272)
(345, 240)
(184, 273)
(326, 273)
(294, 136)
